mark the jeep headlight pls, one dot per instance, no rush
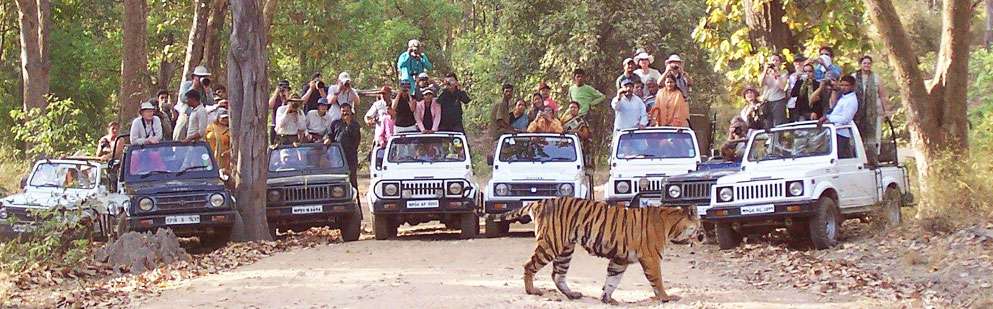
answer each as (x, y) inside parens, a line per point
(3, 213)
(455, 188)
(502, 189)
(216, 200)
(391, 189)
(565, 189)
(338, 191)
(675, 191)
(622, 186)
(725, 194)
(795, 188)
(145, 204)
(274, 196)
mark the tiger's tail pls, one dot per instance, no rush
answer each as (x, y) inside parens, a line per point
(528, 209)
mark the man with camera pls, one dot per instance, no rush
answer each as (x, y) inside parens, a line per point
(674, 67)
(340, 94)
(199, 81)
(277, 99)
(773, 83)
(412, 63)
(629, 109)
(312, 91)
(451, 99)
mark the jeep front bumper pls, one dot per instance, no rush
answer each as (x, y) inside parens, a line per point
(402, 206)
(309, 214)
(761, 212)
(183, 224)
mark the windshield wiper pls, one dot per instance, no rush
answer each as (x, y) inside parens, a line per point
(190, 168)
(155, 172)
(643, 156)
(772, 157)
(557, 159)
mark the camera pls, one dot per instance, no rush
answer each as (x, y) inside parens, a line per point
(205, 81)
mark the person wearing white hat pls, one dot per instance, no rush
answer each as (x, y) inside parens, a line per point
(146, 128)
(645, 71)
(674, 66)
(413, 62)
(629, 66)
(340, 94)
(423, 83)
(199, 80)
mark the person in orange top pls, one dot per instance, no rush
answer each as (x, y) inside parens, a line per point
(546, 122)
(670, 106)
(219, 139)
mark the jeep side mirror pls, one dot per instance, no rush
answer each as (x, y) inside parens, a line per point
(379, 159)
(489, 160)
(23, 183)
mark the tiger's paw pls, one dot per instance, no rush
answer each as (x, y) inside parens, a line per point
(609, 300)
(535, 292)
(667, 298)
(573, 295)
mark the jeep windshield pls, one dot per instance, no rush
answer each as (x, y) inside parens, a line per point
(306, 158)
(168, 161)
(791, 143)
(427, 149)
(538, 149)
(656, 145)
(65, 175)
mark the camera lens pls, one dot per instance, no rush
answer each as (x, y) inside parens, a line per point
(205, 81)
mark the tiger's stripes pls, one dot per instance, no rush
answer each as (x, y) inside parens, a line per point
(622, 235)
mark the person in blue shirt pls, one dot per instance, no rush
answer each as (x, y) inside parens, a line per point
(824, 63)
(413, 62)
(843, 113)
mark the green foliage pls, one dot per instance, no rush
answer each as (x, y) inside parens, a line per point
(724, 34)
(62, 129)
(981, 97)
(52, 242)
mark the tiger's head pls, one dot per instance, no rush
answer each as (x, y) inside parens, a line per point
(681, 223)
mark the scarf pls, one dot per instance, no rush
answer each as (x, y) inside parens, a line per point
(867, 93)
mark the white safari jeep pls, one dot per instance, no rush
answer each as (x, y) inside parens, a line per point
(423, 178)
(642, 159)
(532, 167)
(72, 184)
(807, 178)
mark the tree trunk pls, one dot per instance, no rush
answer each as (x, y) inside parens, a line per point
(989, 24)
(248, 89)
(212, 48)
(766, 25)
(134, 60)
(268, 13)
(198, 32)
(34, 16)
(937, 111)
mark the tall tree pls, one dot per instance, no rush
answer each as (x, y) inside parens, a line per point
(212, 48)
(767, 26)
(248, 88)
(198, 34)
(35, 19)
(936, 108)
(134, 59)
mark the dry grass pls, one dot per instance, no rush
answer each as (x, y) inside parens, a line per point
(11, 172)
(961, 195)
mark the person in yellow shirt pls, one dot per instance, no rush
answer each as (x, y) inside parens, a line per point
(546, 122)
(670, 108)
(219, 139)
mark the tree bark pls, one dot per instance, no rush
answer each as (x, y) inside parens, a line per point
(34, 16)
(937, 110)
(766, 25)
(198, 32)
(134, 60)
(163, 78)
(212, 48)
(268, 13)
(248, 90)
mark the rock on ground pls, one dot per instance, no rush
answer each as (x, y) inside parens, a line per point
(138, 252)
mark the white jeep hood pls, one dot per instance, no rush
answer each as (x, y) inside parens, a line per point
(560, 171)
(408, 171)
(643, 167)
(47, 199)
(775, 171)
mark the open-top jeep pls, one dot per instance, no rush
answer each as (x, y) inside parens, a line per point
(308, 187)
(422, 178)
(808, 178)
(175, 185)
(78, 188)
(642, 159)
(532, 167)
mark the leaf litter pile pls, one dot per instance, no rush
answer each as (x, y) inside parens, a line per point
(900, 266)
(102, 281)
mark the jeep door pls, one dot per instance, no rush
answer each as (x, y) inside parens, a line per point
(853, 179)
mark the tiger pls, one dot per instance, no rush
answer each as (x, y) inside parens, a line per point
(621, 234)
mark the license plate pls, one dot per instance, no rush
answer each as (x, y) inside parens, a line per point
(650, 202)
(313, 209)
(422, 204)
(172, 220)
(761, 209)
(702, 210)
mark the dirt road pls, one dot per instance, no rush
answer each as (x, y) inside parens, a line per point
(433, 269)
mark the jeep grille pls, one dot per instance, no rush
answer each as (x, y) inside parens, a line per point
(424, 188)
(539, 189)
(305, 194)
(173, 202)
(695, 190)
(759, 191)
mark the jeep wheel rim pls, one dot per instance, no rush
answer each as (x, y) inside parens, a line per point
(831, 227)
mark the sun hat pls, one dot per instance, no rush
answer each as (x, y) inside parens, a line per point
(674, 58)
(644, 55)
(344, 77)
(201, 71)
(146, 106)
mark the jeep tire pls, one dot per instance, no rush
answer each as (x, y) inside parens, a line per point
(351, 225)
(825, 225)
(496, 229)
(727, 237)
(383, 227)
(469, 225)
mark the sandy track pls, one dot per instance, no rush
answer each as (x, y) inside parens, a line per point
(433, 269)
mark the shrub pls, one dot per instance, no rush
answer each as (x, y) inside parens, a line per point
(60, 129)
(961, 195)
(53, 241)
